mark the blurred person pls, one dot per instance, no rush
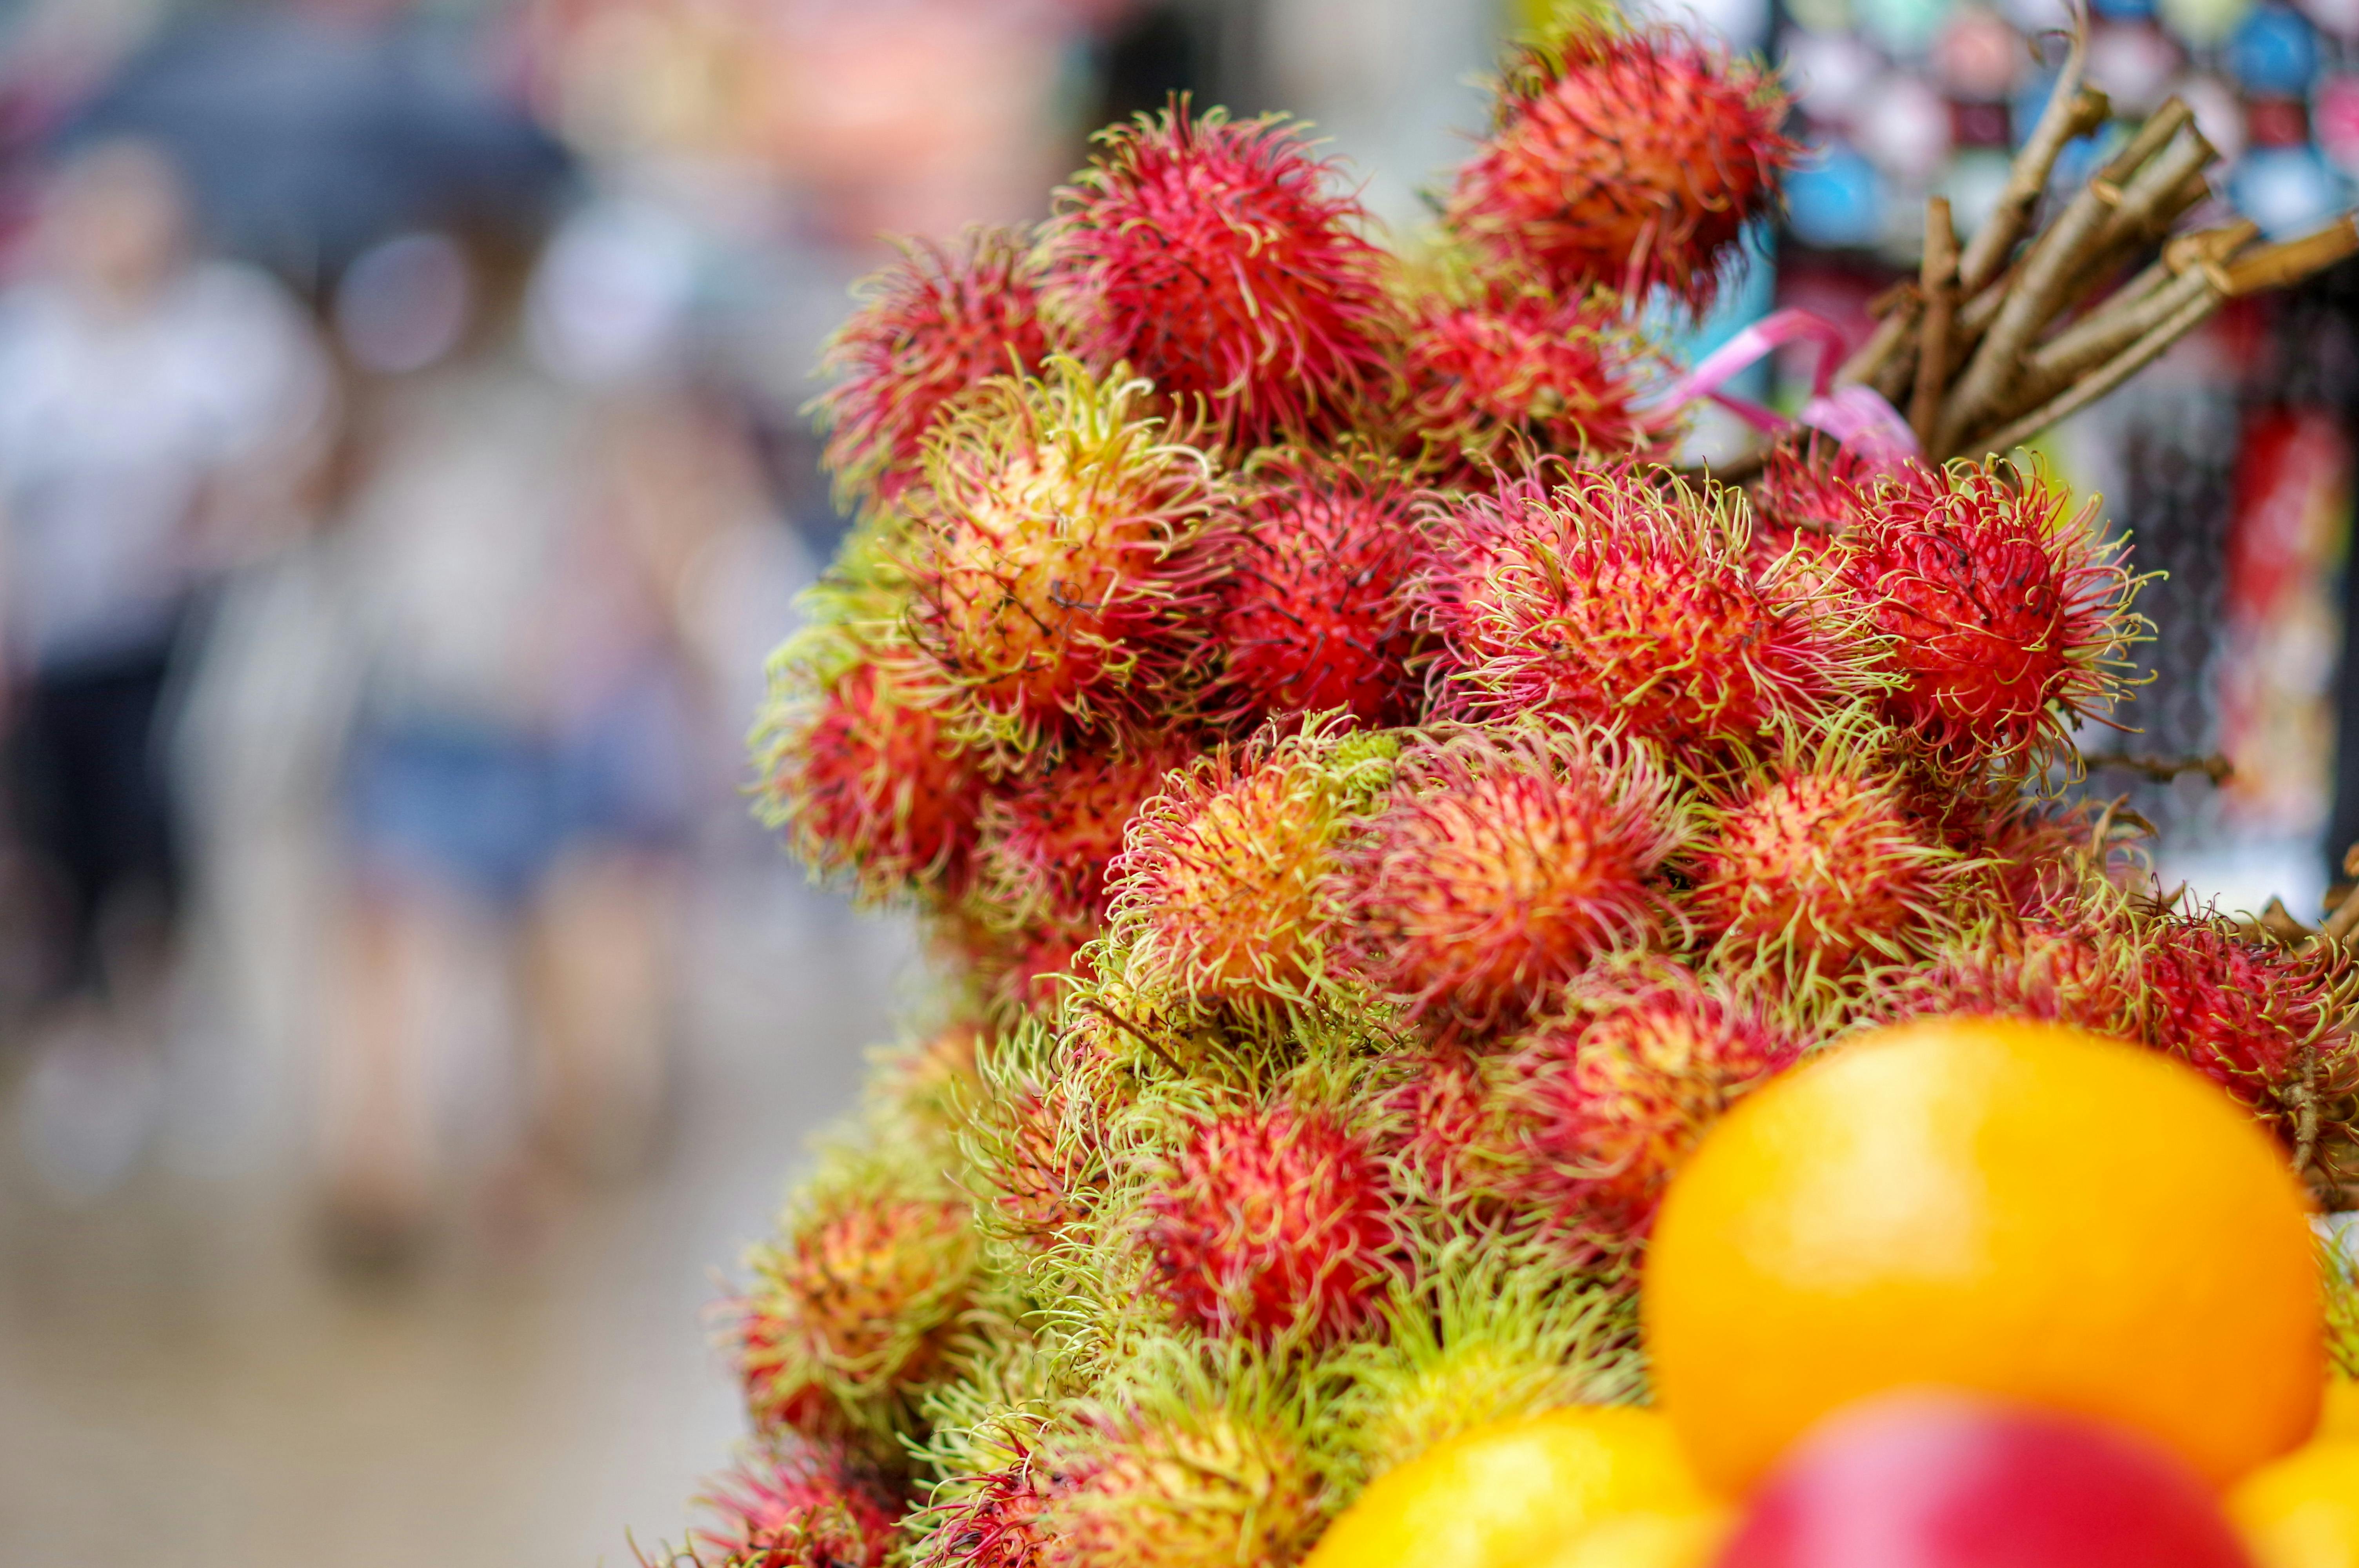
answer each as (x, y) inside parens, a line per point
(522, 772)
(158, 411)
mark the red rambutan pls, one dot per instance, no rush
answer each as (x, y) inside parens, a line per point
(866, 779)
(2004, 615)
(1440, 1125)
(1213, 258)
(1607, 1101)
(1046, 843)
(1054, 589)
(1610, 598)
(1817, 866)
(2264, 1023)
(1224, 892)
(992, 1521)
(851, 1313)
(1502, 864)
(1813, 489)
(930, 327)
(1516, 369)
(1272, 1222)
(1312, 613)
(796, 1503)
(1625, 158)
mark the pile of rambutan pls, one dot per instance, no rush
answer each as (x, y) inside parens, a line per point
(1373, 817)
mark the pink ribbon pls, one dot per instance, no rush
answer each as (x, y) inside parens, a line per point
(1858, 416)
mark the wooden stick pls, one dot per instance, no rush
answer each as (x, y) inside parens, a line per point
(2114, 372)
(2135, 310)
(2070, 113)
(1938, 278)
(2274, 266)
(2055, 258)
(1889, 334)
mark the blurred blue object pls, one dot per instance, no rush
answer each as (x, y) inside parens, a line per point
(2287, 190)
(2274, 52)
(305, 141)
(1835, 200)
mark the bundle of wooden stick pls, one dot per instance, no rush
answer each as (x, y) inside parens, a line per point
(1993, 343)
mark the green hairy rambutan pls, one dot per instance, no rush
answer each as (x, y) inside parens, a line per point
(1053, 589)
(1500, 865)
(857, 1306)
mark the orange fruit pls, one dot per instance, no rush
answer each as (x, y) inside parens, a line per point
(1515, 1494)
(2339, 1416)
(2018, 1209)
(2303, 1510)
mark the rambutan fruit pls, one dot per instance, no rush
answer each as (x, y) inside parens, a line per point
(1497, 373)
(856, 1308)
(1224, 892)
(1034, 1144)
(1313, 617)
(1271, 1223)
(1502, 864)
(1196, 1468)
(2004, 615)
(1216, 259)
(1482, 1335)
(988, 1522)
(861, 771)
(1812, 864)
(1048, 558)
(2264, 1022)
(1625, 157)
(1441, 1126)
(930, 328)
(1813, 489)
(794, 1503)
(1046, 842)
(1606, 1101)
(1602, 595)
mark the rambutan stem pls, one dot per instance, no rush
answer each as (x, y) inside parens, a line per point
(1938, 278)
(2069, 114)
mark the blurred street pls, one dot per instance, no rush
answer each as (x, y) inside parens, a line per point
(180, 1383)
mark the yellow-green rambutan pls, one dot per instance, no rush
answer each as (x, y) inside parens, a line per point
(1034, 1143)
(930, 328)
(1313, 613)
(1224, 891)
(1502, 863)
(1622, 157)
(1611, 596)
(1049, 559)
(796, 1503)
(1189, 1465)
(1605, 1102)
(1481, 1331)
(858, 1305)
(1271, 1223)
(1220, 260)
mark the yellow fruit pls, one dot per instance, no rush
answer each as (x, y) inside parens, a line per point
(1649, 1540)
(1515, 1494)
(2303, 1510)
(2340, 1415)
(2014, 1208)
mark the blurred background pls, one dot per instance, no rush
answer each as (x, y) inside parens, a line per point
(402, 477)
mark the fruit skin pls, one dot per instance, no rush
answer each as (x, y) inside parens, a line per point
(930, 327)
(1927, 1479)
(1212, 257)
(1944, 1203)
(1511, 1494)
(1046, 842)
(1313, 613)
(2339, 1417)
(1599, 595)
(2303, 1510)
(2005, 613)
(1503, 863)
(1048, 558)
(796, 1505)
(1626, 157)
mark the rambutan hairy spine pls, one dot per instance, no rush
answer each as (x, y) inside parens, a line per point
(1502, 862)
(1210, 256)
(1048, 561)
(930, 328)
(794, 1503)
(1623, 157)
